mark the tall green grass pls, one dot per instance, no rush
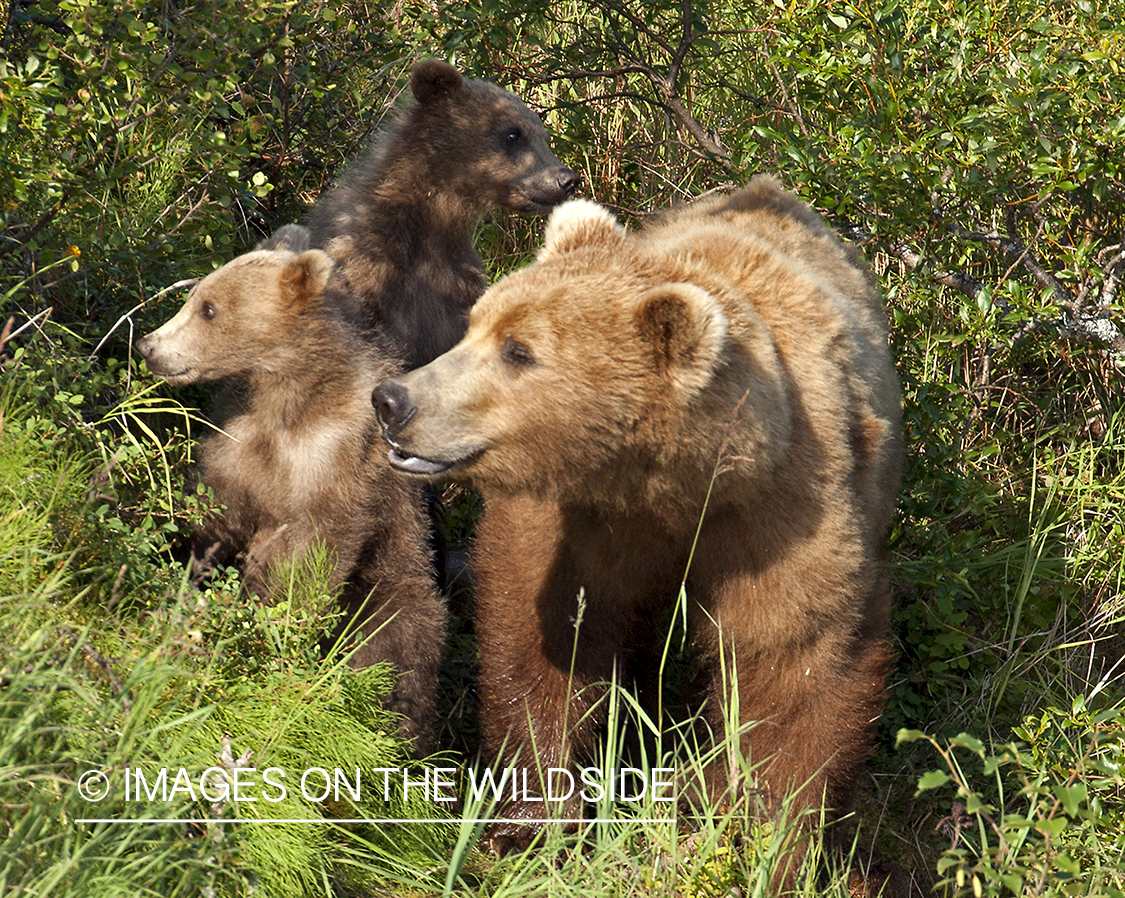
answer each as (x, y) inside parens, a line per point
(104, 675)
(111, 661)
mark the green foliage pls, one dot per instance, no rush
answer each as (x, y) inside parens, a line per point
(135, 143)
(977, 145)
(979, 135)
(136, 466)
(974, 151)
(55, 724)
(105, 674)
(1045, 812)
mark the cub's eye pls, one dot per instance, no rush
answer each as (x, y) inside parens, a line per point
(514, 136)
(207, 311)
(516, 353)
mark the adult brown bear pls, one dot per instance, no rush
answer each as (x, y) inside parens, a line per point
(736, 349)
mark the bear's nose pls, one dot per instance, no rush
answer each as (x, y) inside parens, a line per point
(393, 406)
(568, 181)
(144, 346)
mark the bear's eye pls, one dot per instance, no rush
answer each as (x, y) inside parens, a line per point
(514, 136)
(516, 353)
(207, 311)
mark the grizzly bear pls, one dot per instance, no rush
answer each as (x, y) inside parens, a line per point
(399, 225)
(716, 387)
(297, 459)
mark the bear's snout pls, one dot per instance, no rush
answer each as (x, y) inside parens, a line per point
(145, 346)
(392, 406)
(568, 180)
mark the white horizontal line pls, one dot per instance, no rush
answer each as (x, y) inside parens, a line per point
(367, 820)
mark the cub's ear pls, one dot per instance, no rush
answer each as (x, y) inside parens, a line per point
(303, 278)
(432, 80)
(686, 329)
(291, 238)
(579, 223)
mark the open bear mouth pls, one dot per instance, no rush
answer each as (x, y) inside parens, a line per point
(413, 464)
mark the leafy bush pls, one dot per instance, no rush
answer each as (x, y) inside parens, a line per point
(1045, 813)
(134, 140)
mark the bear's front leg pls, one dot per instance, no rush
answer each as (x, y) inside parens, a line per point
(549, 642)
(392, 599)
(807, 657)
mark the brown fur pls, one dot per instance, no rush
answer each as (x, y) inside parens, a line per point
(298, 459)
(591, 401)
(400, 224)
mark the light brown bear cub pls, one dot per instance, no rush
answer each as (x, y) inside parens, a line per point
(399, 225)
(299, 460)
(592, 400)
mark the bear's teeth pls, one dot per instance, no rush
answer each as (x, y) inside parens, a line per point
(412, 464)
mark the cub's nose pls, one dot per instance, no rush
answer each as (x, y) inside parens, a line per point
(144, 346)
(393, 407)
(568, 181)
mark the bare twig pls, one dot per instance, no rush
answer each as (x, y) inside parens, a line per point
(126, 317)
(711, 146)
(31, 322)
(794, 110)
(6, 335)
(723, 461)
(914, 260)
(663, 83)
(1111, 277)
(1074, 318)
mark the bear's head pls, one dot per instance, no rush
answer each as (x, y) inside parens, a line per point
(591, 364)
(245, 318)
(486, 141)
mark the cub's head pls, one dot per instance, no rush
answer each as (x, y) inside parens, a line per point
(239, 320)
(573, 369)
(485, 142)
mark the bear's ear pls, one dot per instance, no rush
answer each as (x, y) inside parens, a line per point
(432, 80)
(292, 238)
(685, 328)
(579, 223)
(304, 277)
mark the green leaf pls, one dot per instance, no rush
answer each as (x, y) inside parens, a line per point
(932, 780)
(1072, 797)
(1067, 864)
(972, 743)
(1054, 827)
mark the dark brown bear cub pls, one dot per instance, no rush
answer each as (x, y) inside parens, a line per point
(298, 459)
(592, 400)
(399, 226)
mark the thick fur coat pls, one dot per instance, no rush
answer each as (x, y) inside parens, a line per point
(399, 226)
(733, 348)
(297, 459)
